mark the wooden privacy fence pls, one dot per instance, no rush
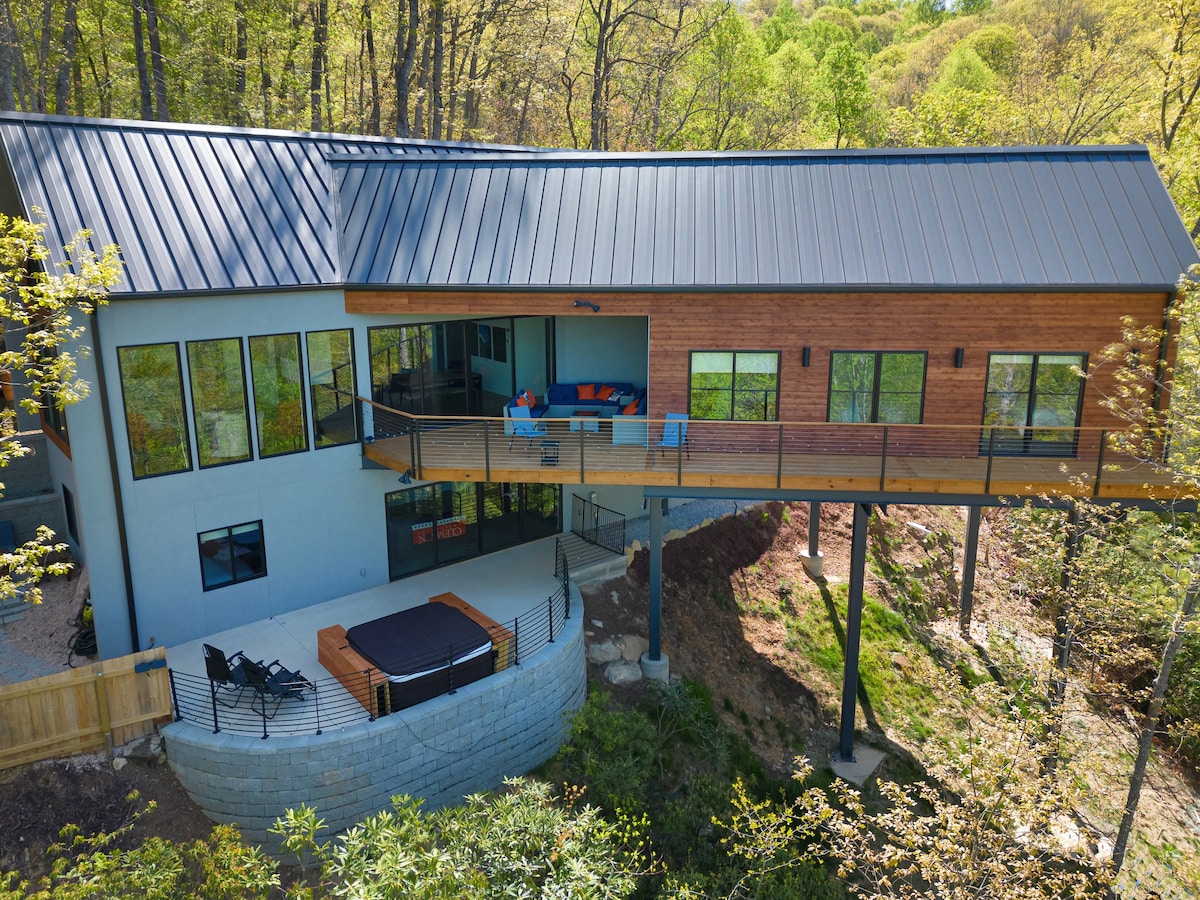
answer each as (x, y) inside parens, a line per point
(94, 707)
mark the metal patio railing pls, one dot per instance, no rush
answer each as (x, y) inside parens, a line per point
(329, 703)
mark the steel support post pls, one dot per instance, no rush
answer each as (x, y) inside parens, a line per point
(966, 603)
(858, 567)
(656, 546)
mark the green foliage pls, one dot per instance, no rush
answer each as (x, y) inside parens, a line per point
(611, 752)
(219, 867)
(981, 825)
(47, 308)
(520, 842)
(843, 91)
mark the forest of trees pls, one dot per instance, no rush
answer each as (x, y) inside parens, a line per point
(633, 74)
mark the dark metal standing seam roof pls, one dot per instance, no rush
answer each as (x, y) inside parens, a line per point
(989, 219)
(205, 209)
(194, 208)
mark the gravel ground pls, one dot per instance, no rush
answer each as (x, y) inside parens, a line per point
(685, 516)
(39, 641)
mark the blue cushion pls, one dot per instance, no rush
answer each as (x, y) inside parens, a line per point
(561, 393)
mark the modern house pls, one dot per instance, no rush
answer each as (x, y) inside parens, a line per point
(307, 382)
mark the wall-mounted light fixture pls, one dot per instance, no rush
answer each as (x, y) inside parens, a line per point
(595, 307)
(958, 358)
(805, 356)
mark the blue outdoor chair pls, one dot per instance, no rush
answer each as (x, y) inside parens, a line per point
(525, 426)
(674, 434)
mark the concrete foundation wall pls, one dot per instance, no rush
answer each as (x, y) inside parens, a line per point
(439, 750)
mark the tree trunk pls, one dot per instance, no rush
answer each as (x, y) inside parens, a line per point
(143, 70)
(8, 50)
(41, 101)
(161, 112)
(264, 86)
(422, 88)
(596, 110)
(240, 62)
(70, 37)
(404, 65)
(1150, 725)
(317, 72)
(436, 88)
(374, 114)
(1063, 636)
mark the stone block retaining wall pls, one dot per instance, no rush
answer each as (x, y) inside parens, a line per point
(440, 750)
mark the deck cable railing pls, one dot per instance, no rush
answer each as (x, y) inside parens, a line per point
(830, 456)
(329, 703)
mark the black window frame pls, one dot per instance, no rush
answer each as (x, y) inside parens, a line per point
(318, 441)
(247, 405)
(876, 383)
(1031, 436)
(185, 425)
(770, 399)
(302, 416)
(207, 536)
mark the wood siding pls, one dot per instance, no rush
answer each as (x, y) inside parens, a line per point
(980, 323)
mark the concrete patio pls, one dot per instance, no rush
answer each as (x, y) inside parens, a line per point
(502, 725)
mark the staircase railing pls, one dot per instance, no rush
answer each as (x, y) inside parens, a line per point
(598, 525)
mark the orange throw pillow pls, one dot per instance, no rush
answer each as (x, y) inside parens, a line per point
(605, 392)
(587, 391)
(524, 398)
(631, 409)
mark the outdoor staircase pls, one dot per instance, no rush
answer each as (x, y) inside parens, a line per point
(590, 563)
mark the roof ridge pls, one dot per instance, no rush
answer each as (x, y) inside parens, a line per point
(202, 128)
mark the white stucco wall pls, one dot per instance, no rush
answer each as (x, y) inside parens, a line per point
(322, 512)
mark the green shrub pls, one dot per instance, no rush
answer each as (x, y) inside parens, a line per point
(611, 752)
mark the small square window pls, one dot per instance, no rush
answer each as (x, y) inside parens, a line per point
(231, 555)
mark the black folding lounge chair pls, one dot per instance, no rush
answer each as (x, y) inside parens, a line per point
(274, 682)
(226, 673)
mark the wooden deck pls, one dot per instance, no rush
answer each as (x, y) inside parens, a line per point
(808, 458)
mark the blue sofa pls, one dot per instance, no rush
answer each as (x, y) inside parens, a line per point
(562, 400)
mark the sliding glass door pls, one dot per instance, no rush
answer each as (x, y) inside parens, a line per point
(438, 524)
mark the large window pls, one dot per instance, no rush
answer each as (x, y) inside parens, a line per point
(154, 415)
(435, 524)
(231, 555)
(883, 386)
(739, 385)
(1038, 397)
(218, 381)
(278, 395)
(331, 387)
